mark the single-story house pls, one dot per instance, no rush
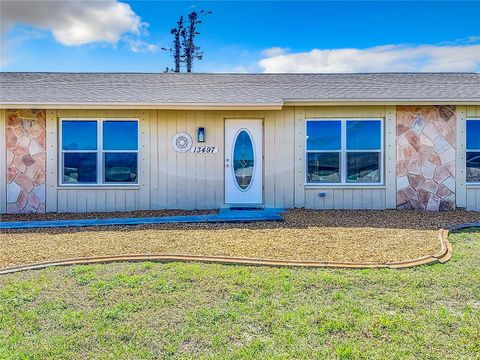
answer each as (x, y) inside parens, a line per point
(87, 142)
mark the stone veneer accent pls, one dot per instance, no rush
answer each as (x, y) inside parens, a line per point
(26, 162)
(426, 157)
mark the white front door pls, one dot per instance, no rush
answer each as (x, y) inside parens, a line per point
(244, 162)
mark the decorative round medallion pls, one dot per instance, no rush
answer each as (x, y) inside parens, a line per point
(182, 142)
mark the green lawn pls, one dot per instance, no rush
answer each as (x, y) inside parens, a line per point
(153, 310)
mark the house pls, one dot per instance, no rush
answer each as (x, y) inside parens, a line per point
(86, 142)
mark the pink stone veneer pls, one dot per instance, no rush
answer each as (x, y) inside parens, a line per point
(426, 157)
(25, 142)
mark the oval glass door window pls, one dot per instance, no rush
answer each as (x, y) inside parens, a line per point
(243, 160)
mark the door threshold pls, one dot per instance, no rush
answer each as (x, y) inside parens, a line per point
(245, 208)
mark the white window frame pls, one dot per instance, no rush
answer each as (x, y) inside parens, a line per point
(100, 154)
(343, 153)
(467, 150)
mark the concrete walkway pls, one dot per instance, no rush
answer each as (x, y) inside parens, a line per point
(224, 216)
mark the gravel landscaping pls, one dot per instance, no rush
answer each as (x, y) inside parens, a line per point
(351, 236)
(102, 215)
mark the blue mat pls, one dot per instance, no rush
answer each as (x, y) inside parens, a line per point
(230, 216)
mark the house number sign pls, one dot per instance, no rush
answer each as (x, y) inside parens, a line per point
(182, 143)
(204, 149)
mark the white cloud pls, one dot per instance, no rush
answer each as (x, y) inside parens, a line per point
(138, 46)
(74, 22)
(389, 58)
(7, 44)
(274, 51)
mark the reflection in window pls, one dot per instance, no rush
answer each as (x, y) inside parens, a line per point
(473, 167)
(79, 135)
(115, 156)
(363, 167)
(363, 135)
(473, 134)
(323, 168)
(324, 135)
(120, 135)
(243, 160)
(80, 168)
(120, 167)
(473, 151)
(344, 151)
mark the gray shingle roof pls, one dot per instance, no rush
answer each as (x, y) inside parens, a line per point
(254, 89)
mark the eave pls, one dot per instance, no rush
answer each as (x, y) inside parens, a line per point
(151, 106)
(340, 102)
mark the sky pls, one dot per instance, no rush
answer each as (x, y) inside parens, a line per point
(247, 36)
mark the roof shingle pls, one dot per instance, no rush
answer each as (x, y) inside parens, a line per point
(160, 88)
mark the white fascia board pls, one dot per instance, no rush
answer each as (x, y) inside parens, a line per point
(330, 102)
(159, 106)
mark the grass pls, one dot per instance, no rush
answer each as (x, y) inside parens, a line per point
(176, 310)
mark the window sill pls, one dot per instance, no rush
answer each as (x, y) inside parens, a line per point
(99, 187)
(473, 186)
(345, 186)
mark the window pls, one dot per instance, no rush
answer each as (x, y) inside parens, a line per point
(99, 151)
(473, 151)
(344, 151)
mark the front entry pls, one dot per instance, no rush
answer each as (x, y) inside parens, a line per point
(244, 162)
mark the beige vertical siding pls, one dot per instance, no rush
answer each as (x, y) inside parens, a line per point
(97, 199)
(168, 179)
(472, 193)
(345, 198)
(322, 197)
(174, 180)
(473, 198)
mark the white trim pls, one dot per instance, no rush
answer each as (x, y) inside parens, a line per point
(100, 152)
(232, 106)
(3, 162)
(329, 102)
(343, 153)
(98, 187)
(51, 152)
(467, 150)
(390, 157)
(320, 186)
(143, 105)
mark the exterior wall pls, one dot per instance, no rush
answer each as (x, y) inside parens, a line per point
(426, 142)
(196, 181)
(25, 161)
(344, 197)
(472, 192)
(176, 180)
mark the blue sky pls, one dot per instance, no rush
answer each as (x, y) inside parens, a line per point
(273, 36)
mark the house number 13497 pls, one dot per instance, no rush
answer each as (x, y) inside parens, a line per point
(204, 149)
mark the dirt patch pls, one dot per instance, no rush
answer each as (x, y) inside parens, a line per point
(353, 236)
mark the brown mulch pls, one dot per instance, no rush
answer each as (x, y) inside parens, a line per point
(353, 236)
(102, 215)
